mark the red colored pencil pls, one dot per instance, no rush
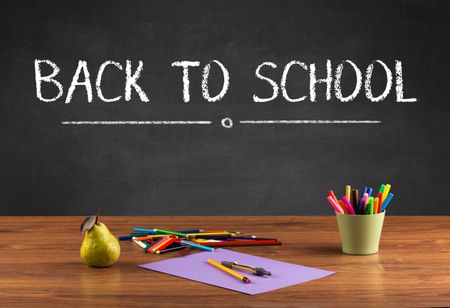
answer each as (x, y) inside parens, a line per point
(238, 243)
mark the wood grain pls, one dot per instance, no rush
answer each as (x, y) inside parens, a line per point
(40, 264)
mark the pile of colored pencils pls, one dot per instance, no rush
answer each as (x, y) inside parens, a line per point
(159, 241)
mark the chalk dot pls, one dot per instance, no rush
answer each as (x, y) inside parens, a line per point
(227, 123)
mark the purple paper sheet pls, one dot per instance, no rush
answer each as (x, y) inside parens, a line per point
(195, 267)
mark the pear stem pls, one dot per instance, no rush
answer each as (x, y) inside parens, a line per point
(96, 218)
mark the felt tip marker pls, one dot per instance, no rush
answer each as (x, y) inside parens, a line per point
(348, 204)
(331, 193)
(335, 205)
(386, 202)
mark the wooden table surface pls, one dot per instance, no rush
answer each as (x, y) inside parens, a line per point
(40, 264)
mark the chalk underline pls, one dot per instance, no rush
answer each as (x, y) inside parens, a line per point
(252, 122)
(310, 122)
(135, 122)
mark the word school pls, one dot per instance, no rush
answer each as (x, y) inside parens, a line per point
(82, 79)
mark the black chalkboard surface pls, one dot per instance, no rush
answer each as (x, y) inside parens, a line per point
(52, 166)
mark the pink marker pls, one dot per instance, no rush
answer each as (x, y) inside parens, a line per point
(349, 205)
(335, 205)
(366, 199)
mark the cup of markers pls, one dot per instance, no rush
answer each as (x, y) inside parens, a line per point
(360, 218)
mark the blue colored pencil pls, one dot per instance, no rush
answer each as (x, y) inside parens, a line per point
(199, 246)
(149, 231)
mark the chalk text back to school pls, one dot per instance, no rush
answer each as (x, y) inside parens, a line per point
(331, 77)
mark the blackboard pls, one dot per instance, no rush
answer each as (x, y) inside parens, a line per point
(48, 168)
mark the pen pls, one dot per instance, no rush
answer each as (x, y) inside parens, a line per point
(228, 271)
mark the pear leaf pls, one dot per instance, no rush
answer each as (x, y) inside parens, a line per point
(88, 223)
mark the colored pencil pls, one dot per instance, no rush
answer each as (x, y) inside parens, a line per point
(156, 245)
(143, 238)
(164, 243)
(196, 245)
(149, 231)
(214, 243)
(170, 249)
(161, 231)
(208, 234)
(140, 244)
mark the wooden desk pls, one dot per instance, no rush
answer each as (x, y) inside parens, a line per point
(40, 264)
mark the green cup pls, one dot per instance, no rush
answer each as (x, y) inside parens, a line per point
(360, 234)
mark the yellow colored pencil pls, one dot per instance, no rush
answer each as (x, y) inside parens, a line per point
(208, 234)
(228, 270)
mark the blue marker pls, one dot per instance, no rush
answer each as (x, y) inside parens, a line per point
(361, 206)
(149, 231)
(369, 191)
(197, 245)
(386, 202)
(363, 190)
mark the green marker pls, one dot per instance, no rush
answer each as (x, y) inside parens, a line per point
(382, 188)
(170, 232)
(369, 207)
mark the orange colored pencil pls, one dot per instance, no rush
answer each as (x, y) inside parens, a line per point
(380, 202)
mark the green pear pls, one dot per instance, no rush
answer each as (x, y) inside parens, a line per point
(100, 248)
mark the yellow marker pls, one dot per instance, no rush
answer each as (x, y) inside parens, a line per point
(386, 192)
(348, 190)
(228, 271)
(376, 203)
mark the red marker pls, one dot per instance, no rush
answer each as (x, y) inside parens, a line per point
(343, 206)
(331, 193)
